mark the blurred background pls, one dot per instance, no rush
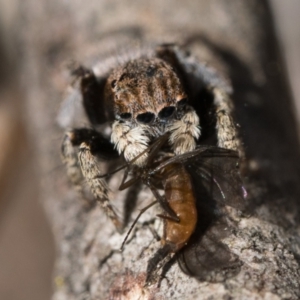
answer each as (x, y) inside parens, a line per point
(26, 243)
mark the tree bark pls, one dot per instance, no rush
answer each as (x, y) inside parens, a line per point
(236, 37)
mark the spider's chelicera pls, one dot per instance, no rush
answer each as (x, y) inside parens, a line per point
(161, 90)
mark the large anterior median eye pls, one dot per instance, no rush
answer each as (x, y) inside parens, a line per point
(166, 112)
(145, 118)
(113, 84)
(125, 116)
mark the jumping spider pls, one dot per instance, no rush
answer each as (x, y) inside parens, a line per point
(160, 90)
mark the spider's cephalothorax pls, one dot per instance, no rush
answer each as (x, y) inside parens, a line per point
(144, 97)
(148, 100)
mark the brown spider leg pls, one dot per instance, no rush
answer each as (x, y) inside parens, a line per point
(82, 165)
(226, 129)
(70, 160)
(98, 186)
(92, 89)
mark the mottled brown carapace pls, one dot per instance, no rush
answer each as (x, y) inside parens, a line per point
(145, 90)
(148, 100)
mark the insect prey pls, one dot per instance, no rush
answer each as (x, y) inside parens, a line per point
(197, 186)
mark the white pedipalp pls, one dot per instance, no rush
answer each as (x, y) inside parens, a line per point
(184, 133)
(130, 141)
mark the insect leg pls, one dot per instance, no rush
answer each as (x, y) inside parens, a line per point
(164, 204)
(160, 258)
(135, 221)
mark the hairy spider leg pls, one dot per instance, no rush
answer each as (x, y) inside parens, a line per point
(226, 129)
(82, 165)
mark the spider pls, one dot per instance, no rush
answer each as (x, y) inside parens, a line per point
(162, 89)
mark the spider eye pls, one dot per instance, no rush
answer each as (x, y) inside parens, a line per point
(182, 102)
(125, 116)
(166, 112)
(151, 71)
(113, 83)
(146, 118)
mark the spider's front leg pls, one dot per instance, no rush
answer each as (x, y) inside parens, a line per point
(80, 150)
(186, 131)
(226, 129)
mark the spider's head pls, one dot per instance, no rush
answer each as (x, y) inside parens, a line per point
(149, 100)
(146, 91)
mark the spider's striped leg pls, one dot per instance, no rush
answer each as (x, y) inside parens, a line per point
(82, 165)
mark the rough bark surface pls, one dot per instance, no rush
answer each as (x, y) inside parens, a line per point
(238, 38)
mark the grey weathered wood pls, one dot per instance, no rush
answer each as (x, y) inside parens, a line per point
(236, 36)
